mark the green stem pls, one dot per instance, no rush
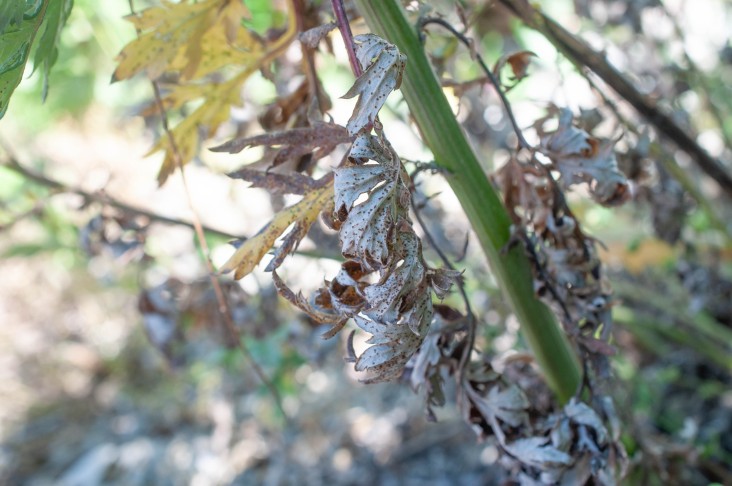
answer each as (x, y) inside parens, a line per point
(489, 219)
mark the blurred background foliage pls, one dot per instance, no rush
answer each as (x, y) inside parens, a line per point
(115, 368)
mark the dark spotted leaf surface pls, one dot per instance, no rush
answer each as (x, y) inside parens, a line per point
(383, 66)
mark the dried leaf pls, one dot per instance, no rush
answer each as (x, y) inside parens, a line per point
(427, 357)
(311, 38)
(164, 30)
(581, 413)
(397, 291)
(304, 213)
(508, 405)
(367, 233)
(519, 63)
(318, 140)
(214, 111)
(319, 313)
(193, 40)
(581, 158)
(383, 66)
(392, 344)
(442, 280)
(537, 452)
(276, 183)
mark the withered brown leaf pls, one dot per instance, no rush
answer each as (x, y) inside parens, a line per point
(579, 157)
(320, 139)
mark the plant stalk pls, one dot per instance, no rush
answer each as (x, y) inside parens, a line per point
(482, 205)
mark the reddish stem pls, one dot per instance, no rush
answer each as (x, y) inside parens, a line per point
(345, 28)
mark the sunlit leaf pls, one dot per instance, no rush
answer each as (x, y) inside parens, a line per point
(367, 233)
(304, 213)
(46, 51)
(383, 66)
(15, 45)
(193, 40)
(164, 31)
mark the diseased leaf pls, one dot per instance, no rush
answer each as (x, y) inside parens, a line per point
(392, 344)
(367, 233)
(227, 43)
(581, 158)
(276, 183)
(172, 30)
(304, 213)
(320, 313)
(383, 66)
(397, 291)
(428, 356)
(311, 38)
(214, 111)
(320, 139)
(508, 405)
(537, 452)
(193, 40)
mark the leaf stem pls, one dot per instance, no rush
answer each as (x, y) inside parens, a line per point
(345, 28)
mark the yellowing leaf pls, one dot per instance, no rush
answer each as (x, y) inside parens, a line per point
(227, 44)
(164, 31)
(195, 40)
(304, 213)
(214, 111)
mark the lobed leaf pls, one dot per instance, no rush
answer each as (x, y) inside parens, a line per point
(193, 40)
(508, 406)
(367, 233)
(581, 158)
(164, 32)
(537, 452)
(383, 66)
(320, 139)
(386, 299)
(304, 213)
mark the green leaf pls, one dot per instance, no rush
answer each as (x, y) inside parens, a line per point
(20, 22)
(46, 50)
(15, 44)
(12, 11)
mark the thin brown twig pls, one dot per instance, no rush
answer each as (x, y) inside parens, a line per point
(100, 197)
(694, 71)
(223, 306)
(345, 28)
(105, 199)
(425, 21)
(582, 55)
(663, 158)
